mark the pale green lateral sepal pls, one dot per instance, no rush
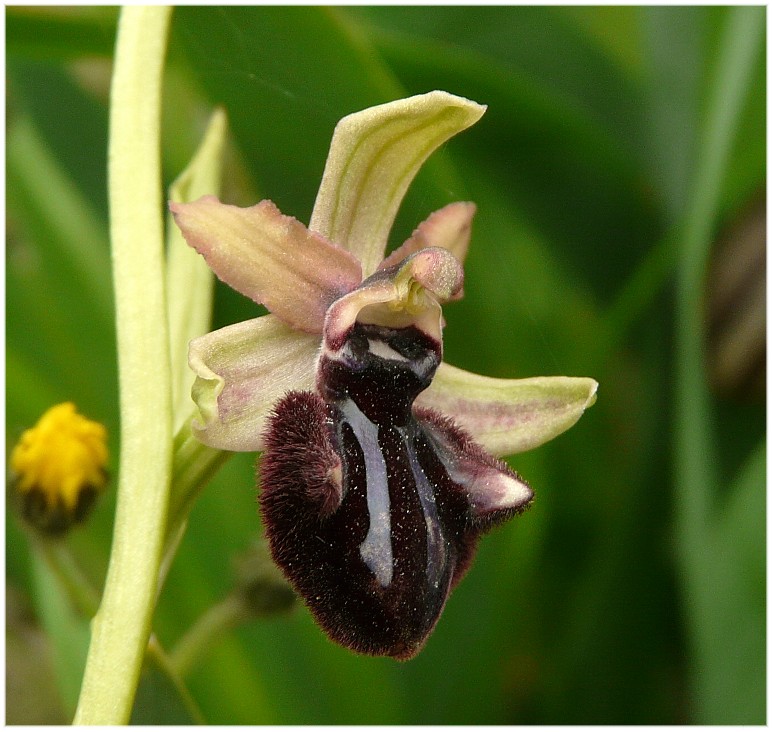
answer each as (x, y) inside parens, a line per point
(241, 372)
(190, 283)
(508, 416)
(374, 156)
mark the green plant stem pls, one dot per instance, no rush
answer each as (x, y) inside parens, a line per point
(216, 620)
(121, 628)
(193, 467)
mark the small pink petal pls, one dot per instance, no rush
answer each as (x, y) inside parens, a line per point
(242, 370)
(449, 228)
(508, 416)
(271, 258)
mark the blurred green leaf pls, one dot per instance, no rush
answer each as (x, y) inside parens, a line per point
(674, 42)
(57, 253)
(613, 29)
(696, 460)
(247, 61)
(67, 628)
(525, 39)
(56, 33)
(60, 216)
(732, 663)
(71, 122)
(747, 173)
(162, 697)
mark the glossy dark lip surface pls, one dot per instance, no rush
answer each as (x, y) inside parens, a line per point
(357, 498)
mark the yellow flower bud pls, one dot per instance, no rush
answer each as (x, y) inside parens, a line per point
(59, 466)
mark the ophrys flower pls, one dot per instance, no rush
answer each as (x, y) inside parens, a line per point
(379, 473)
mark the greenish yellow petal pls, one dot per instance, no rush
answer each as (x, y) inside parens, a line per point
(508, 416)
(241, 371)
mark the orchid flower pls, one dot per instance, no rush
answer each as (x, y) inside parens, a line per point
(380, 468)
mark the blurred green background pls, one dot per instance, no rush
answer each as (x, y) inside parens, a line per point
(619, 174)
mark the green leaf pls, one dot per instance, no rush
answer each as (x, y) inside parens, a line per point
(189, 282)
(539, 43)
(67, 628)
(70, 120)
(730, 617)
(161, 695)
(60, 33)
(674, 48)
(57, 254)
(696, 454)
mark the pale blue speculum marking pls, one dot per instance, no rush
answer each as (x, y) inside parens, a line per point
(375, 550)
(383, 350)
(436, 553)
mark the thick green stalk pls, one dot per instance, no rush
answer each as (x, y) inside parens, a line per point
(121, 628)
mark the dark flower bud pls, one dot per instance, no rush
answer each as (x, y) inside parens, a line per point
(59, 469)
(259, 584)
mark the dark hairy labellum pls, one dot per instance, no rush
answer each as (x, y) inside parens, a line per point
(373, 508)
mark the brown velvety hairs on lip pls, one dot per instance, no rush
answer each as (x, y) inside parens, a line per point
(318, 507)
